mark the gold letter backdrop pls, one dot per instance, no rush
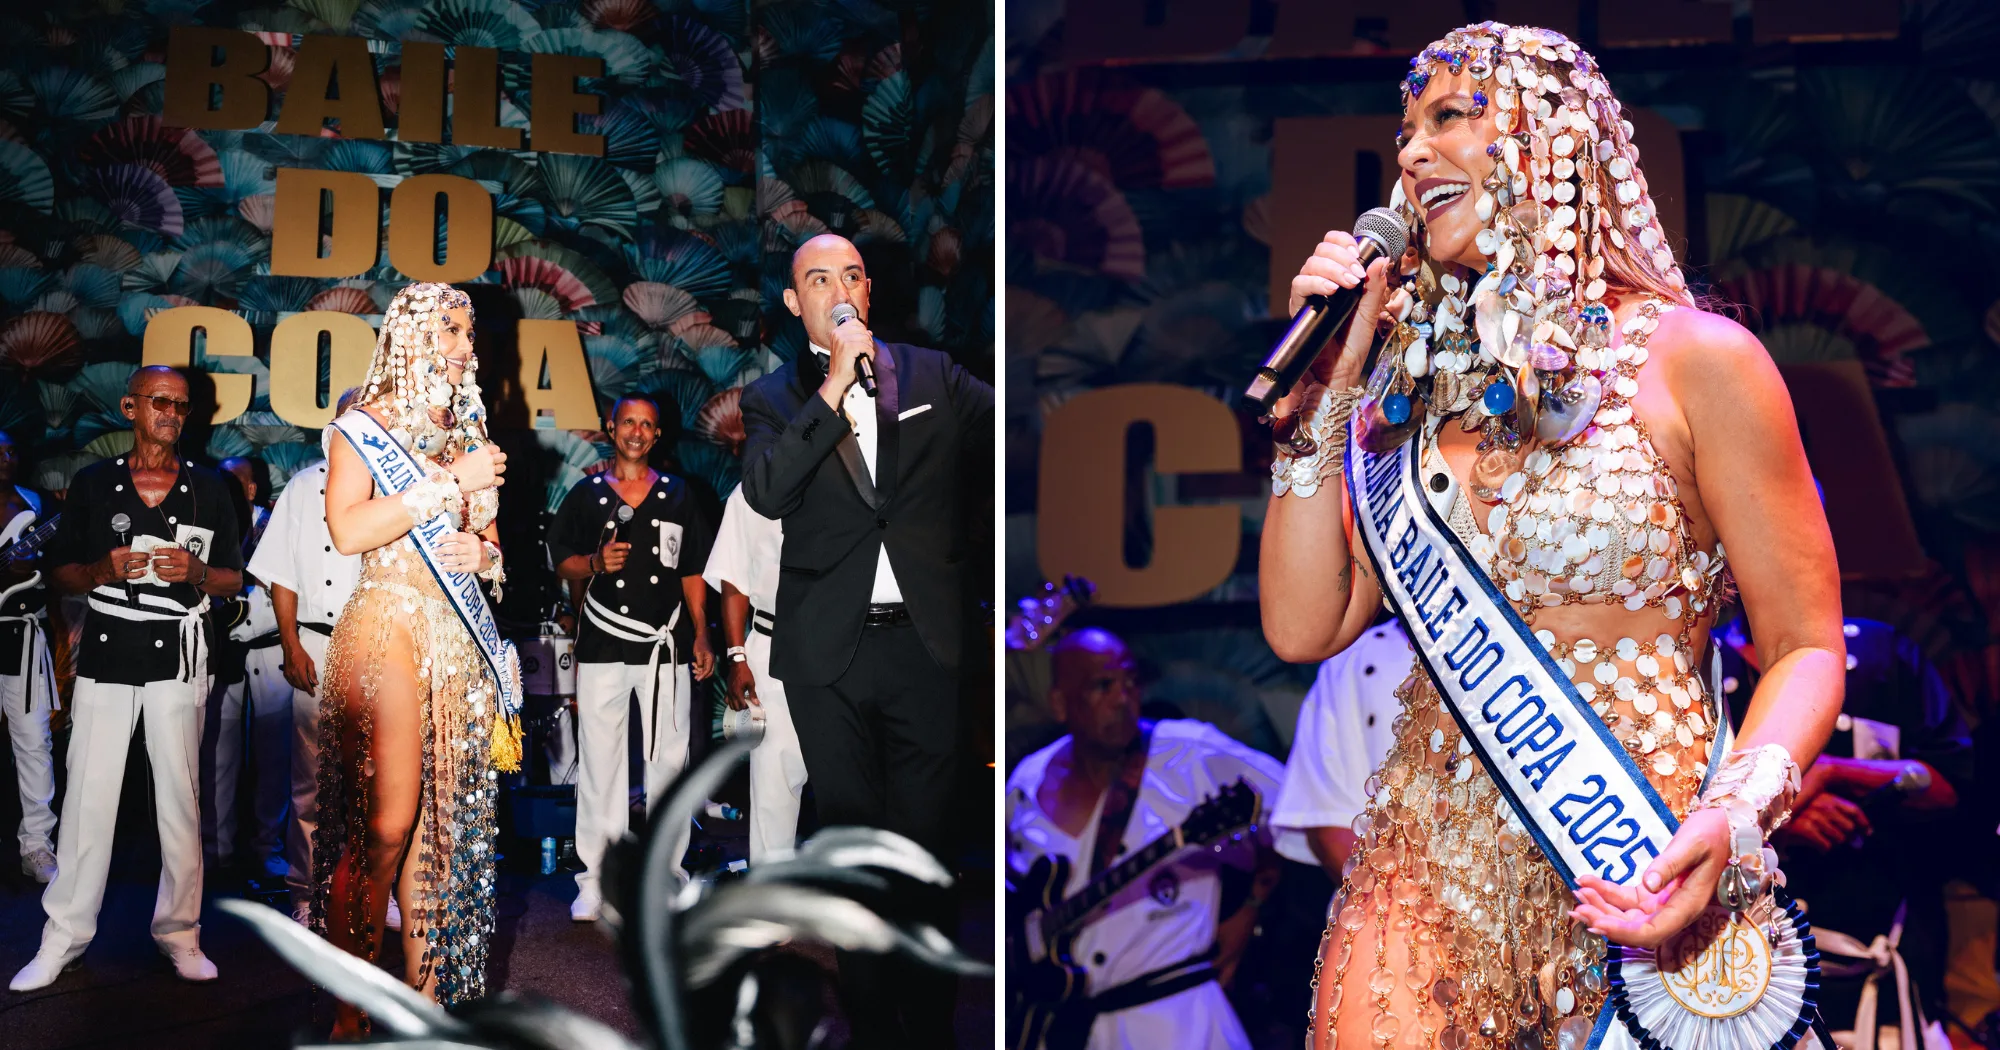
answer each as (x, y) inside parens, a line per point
(1170, 167)
(245, 197)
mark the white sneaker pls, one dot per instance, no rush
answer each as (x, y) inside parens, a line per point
(41, 864)
(395, 918)
(586, 906)
(190, 963)
(40, 972)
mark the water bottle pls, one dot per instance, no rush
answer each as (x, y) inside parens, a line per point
(549, 856)
(722, 812)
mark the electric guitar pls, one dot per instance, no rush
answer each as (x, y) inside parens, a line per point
(22, 544)
(1048, 993)
(1037, 618)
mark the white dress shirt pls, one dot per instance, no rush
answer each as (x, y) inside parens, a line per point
(1344, 733)
(860, 411)
(745, 553)
(297, 550)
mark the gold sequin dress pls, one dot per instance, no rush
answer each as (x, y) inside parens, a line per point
(455, 829)
(1451, 929)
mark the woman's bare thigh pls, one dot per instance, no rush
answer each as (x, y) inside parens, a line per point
(1357, 1010)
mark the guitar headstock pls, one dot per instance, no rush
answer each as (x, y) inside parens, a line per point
(1038, 617)
(1235, 806)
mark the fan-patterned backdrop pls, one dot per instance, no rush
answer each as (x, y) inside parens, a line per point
(733, 130)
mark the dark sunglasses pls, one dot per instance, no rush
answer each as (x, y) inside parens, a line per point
(163, 403)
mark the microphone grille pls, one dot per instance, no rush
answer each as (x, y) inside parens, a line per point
(843, 312)
(625, 512)
(121, 522)
(1914, 779)
(1384, 226)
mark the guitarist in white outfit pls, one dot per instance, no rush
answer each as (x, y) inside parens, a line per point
(1160, 933)
(27, 679)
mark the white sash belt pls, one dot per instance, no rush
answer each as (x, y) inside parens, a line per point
(619, 625)
(36, 662)
(1876, 958)
(194, 647)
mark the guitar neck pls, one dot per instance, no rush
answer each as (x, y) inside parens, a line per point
(30, 544)
(1114, 878)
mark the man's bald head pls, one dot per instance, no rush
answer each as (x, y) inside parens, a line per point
(147, 380)
(827, 248)
(826, 271)
(1093, 689)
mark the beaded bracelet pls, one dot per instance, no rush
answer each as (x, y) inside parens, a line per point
(1317, 448)
(493, 574)
(1754, 789)
(436, 494)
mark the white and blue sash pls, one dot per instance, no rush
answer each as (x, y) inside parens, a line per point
(395, 470)
(1570, 783)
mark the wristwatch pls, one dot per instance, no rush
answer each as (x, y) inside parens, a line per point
(737, 654)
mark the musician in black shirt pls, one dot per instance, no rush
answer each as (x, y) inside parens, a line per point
(644, 607)
(151, 538)
(27, 677)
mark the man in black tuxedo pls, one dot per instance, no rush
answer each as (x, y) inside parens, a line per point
(870, 617)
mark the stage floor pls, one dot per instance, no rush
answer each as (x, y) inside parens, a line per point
(125, 995)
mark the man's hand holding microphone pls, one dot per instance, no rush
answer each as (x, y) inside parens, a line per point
(852, 356)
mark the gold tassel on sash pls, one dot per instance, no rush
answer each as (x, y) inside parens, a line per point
(506, 754)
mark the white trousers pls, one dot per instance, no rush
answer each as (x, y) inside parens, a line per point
(603, 797)
(777, 768)
(34, 753)
(269, 700)
(103, 718)
(305, 773)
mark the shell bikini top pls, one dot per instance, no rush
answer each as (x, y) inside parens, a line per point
(1597, 519)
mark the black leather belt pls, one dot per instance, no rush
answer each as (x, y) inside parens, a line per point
(887, 615)
(317, 628)
(263, 641)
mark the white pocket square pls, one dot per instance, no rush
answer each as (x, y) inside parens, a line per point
(917, 411)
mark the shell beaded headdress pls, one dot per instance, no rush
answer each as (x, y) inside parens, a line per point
(408, 376)
(1565, 201)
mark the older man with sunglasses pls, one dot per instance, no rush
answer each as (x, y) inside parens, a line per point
(150, 538)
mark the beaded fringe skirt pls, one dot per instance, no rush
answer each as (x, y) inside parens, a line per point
(1450, 928)
(453, 845)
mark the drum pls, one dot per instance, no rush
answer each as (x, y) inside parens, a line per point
(548, 665)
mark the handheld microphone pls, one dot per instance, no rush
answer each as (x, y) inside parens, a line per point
(864, 370)
(121, 523)
(1378, 232)
(624, 515)
(1913, 779)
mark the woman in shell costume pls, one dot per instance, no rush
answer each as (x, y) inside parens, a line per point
(408, 707)
(1593, 438)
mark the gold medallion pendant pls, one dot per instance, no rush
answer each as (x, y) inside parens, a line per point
(1719, 966)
